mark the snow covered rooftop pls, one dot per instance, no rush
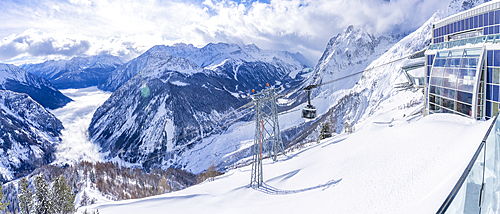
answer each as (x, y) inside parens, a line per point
(398, 168)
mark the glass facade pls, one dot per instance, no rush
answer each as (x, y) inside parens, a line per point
(452, 81)
(492, 82)
(428, 68)
(488, 22)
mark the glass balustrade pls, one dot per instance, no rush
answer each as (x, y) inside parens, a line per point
(478, 189)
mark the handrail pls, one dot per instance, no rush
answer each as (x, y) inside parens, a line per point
(466, 172)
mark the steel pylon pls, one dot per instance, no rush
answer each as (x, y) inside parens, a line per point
(267, 138)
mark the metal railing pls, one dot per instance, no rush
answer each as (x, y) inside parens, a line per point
(478, 189)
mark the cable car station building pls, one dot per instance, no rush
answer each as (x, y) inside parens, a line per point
(462, 64)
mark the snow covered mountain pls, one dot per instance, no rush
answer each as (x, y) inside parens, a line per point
(16, 79)
(463, 5)
(364, 96)
(28, 135)
(167, 100)
(159, 110)
(231, 60)
(347, 53)
(79, 72)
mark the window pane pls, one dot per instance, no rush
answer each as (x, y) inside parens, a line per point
(488, 109)
(473, 52)
(494, 108)
(449, 63)
(472, 62)
(476, 19)
(496, 75)
(451, 73)
(464, 97)
(497, 29)
(442, 54)
(456, 62)
(432, 88)
(488, 92)
(439, 62)
(439, 100)
(497, 58)
(432, 107)
(466, 24)
(471, 22)
(439, 91)
(489, 77)
(495, 93)
(491, 18)
(437, 72)
(497, 17)
(466, 85)
(464, 63)
(489, 58)
(450, 104)
(464, 109)
(481, 20)
(485, 16)
(446, 83)
(456, 53)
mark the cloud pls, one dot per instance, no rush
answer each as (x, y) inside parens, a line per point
(127, 28)
(35, 43)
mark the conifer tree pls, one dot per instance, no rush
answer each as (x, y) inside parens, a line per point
(25, 197)
(42, 203)
(3, 205)
(62, 197)
(325, 131)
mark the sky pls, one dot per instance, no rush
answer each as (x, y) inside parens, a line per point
(34, 31)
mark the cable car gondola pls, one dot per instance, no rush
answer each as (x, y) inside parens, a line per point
(309, 112)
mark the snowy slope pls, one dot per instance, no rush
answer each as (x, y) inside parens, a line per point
(159, 110)
(406, 168)
(227, 59)
(28, 135)
(16, 79)
(79, 72)
(349, 52)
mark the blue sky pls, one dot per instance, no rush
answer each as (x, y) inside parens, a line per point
(36, 30)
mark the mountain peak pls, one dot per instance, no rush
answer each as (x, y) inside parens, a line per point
(457, 6)
(349, 29)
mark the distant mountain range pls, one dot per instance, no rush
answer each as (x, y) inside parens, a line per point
(28, 132)
(79, 72)
(16, 79)
(174, 90)
(227, 59)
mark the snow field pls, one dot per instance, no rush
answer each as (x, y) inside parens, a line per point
(408, 168)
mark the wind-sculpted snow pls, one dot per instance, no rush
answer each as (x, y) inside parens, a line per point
(16, 79)
(28, 135)
(79, 72)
